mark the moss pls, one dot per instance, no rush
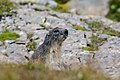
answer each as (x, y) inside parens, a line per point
(80, 28)
(5, 6)
(62, 8)
(32, 45)
(7, 35)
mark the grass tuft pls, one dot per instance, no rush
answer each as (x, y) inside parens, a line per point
(111, 32)
(31, 45)
(7, 35)
(95, 42)
(5, 6)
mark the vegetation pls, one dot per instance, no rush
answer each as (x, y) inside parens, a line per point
(114, 12)
(29, 35)
(32, 45)
(111, 32)
(80, 28)
(62, 1)
(42, 25)
(41, 72)
(7, 35)
(101, 29)
(95, 42)
(62, 8)
(98, 28)
(5, 6)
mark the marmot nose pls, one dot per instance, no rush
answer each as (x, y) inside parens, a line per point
(66, 32)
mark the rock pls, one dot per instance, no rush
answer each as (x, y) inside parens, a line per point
(35, 37)
(10, 41)
(39, 8)
(17, 49)
(1, 30)
(12, 60)
(108, 57)
(90, 7)
(103, 36)
(42, 2)
(1, 43)
(115, 26)
(23, 36)
(52, 3)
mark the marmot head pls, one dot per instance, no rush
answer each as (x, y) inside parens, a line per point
(56, 36)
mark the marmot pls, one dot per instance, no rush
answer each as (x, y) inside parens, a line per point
(49, 50)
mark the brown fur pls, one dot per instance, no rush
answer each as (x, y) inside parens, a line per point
(49, 51)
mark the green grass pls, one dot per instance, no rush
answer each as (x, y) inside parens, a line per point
(111, 32)
(95, 42)
(80, 28)
(5, 6)
(7, 35)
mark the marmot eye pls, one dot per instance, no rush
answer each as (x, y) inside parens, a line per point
(56, 31)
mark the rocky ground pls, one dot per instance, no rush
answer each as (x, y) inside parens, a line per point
(32, 21)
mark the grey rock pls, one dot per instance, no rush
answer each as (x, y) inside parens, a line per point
(14, 60)
(1, 43)
(16, 49)
(52, 3)
(103, 36)
(90, 7)
(1, 30)
(115, 26)
(10, 41)
(39, 7)
(108, 57)
(42, 2)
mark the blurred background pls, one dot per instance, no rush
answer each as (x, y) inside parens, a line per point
(106, 8)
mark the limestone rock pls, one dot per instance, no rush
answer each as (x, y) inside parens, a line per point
(90, 7)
